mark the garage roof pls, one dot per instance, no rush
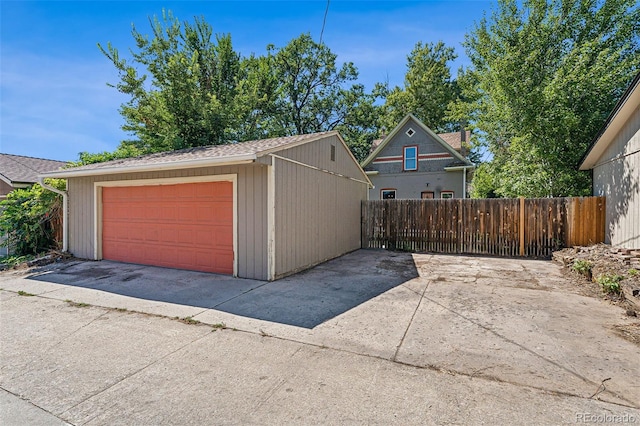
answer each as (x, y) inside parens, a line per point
(234, 153)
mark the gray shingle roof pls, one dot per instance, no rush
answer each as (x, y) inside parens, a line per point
(20, 169)
(200, 154)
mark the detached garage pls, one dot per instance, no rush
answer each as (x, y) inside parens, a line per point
(260, 209)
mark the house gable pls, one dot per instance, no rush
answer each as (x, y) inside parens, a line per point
(433, 153)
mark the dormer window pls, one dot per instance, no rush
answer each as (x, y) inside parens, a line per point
(410, 158)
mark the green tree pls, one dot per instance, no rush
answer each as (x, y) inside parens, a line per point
(192, 96)
(314, 95)
(428, 89)
(188, 88)
(26, 218)
(545, 74)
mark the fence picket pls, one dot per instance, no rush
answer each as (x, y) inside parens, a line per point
(483, 226)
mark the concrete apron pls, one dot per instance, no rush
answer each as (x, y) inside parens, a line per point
(509, 321)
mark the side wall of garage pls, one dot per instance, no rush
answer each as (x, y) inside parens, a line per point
(317, 214)
(252, 207)
(617, 176)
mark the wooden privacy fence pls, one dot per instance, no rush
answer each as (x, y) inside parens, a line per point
(532, 227)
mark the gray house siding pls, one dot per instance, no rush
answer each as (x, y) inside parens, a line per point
(430, 175)
(411, 185)
(426, 145)
(252, 207)
(617, 176)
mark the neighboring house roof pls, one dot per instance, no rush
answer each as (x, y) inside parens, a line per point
(381, 143)
(234, 153)
(454, 139)
(18, 169)
(625, 107)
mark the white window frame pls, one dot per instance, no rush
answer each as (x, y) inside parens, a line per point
(405, 158)
(443, 195)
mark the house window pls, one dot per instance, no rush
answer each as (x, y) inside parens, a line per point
(410, 158)
(446, 194)
(410, 132)
(427, 195)
(333, 153)
(387, 194)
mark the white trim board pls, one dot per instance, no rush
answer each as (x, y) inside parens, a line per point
(97, 205)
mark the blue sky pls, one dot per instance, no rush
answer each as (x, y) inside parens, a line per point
(54, 97)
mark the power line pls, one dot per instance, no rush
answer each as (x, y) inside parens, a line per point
(324, 21)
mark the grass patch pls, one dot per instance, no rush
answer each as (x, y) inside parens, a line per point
(633, 272)
(24, 293)
(189, 320)
(77, 304)
(13, 261)
(219, 326)
(610, 283)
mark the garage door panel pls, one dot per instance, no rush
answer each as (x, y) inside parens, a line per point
(188, 226)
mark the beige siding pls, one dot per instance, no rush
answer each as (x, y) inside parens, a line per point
(5, 188)
(252, 217)
(317, 216)
(618, 178)
(318, 154)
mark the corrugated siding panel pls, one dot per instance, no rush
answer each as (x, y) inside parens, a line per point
(317, 216)
(318, 154)
(252, 217)
(619, 181)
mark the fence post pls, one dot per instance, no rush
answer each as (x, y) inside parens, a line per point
(521, 226)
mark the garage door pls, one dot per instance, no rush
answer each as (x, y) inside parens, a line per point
(185, 226)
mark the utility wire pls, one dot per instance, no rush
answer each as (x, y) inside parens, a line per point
(324, 21)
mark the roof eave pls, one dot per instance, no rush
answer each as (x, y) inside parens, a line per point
(627, 104)
(170, 165)
(456, 168)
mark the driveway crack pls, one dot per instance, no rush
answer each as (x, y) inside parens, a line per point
(413, 315)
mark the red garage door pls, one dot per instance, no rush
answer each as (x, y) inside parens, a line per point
(185, 226)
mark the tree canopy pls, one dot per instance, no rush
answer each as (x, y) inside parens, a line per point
(545, 74)
(189, 87)
(428, 89)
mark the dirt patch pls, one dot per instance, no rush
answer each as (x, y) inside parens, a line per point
(585, 267)
(630, 332)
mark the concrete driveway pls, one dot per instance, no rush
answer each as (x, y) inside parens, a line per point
(371, 337)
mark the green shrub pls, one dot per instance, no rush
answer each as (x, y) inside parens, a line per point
(610, 283)
(582, 267)
(26, 219)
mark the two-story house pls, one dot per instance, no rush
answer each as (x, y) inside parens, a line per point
(414, 162)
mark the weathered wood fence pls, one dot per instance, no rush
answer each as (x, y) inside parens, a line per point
(532, 227)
